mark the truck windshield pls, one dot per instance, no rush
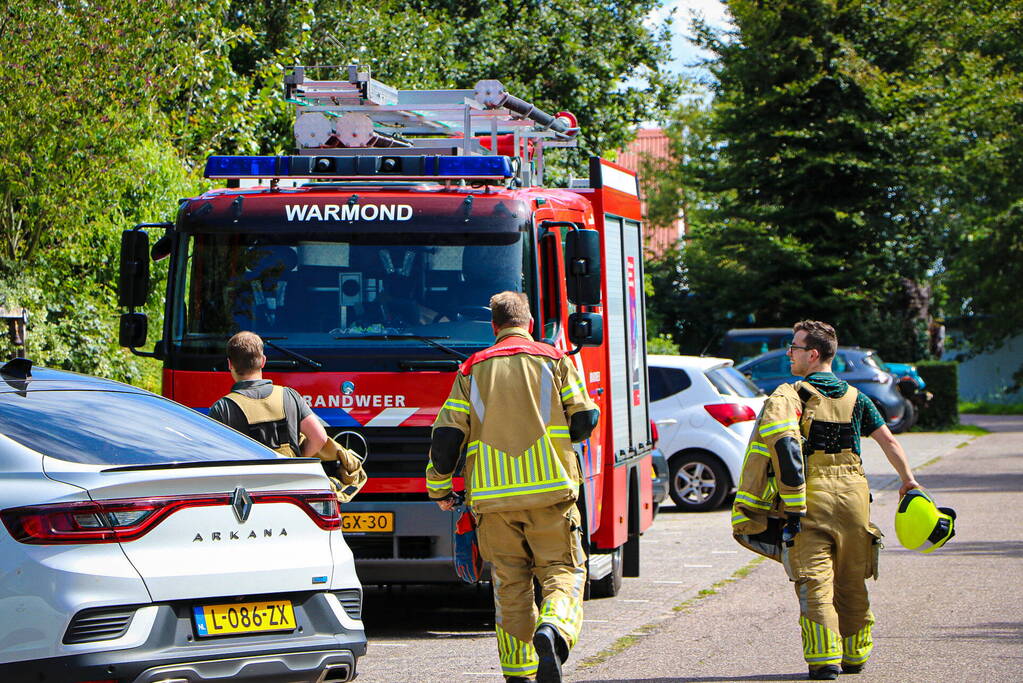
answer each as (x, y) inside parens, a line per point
(334, 290)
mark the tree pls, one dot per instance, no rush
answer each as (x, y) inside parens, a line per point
(809, 209)
(970, 74)
(107, 110)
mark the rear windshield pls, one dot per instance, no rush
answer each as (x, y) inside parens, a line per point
(741, 347)
(119, 428)
(730, 382)
(875, 360)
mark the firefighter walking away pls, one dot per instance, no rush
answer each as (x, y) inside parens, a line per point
(516, 407)
(804, 501)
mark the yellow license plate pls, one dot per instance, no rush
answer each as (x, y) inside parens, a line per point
(244, 617)
(367, 522)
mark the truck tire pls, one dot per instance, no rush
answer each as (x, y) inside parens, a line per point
(697, 481)
(608, 586)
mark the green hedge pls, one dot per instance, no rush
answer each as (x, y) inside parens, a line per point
(942, 379)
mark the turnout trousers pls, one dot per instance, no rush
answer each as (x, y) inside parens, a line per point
(830, 560)
(545, 544)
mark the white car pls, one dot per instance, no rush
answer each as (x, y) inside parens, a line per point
(143, 542)
(704, 410)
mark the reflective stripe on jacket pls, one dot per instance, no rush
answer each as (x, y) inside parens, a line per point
(513, 403)
(818, 424)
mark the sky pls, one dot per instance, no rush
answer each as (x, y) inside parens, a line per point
(683, 51)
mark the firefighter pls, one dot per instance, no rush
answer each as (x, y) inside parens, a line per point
(275, 416)
(803, 500)
(516, 407)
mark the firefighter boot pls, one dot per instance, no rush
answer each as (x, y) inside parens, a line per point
(518, 679)
(552, 651)
(828, 672)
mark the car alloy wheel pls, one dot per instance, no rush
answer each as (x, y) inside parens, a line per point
(698, 481)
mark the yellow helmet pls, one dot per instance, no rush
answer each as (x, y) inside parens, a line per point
(921, 525)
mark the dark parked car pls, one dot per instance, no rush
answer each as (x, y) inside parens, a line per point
(862, 368)
(742, 344)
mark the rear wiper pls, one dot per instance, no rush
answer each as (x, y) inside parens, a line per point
(315, 364)
(418, 337)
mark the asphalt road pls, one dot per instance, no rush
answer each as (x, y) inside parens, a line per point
(704, 610)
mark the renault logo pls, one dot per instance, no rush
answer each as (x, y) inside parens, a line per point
(241, 503)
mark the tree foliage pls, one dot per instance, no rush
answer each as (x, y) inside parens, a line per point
(108, 109)
(859, 164)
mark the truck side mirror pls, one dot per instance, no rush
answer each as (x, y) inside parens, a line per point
(133, 330)
(133, 280)
(582, 261)
(586, 329)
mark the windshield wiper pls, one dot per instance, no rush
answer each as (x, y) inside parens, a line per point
(315, 364)
(269, 341)
(418, 337)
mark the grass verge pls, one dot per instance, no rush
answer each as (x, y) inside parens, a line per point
(988, 408)
(625, 642)
(958, 428)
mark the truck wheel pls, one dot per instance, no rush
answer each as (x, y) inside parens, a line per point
(608, 586)
(908, 418)
(697, 482)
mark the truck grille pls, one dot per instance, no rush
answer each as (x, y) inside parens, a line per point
(371, 548)
(99, 624)
(393, 451)
(402, 547)
(351, 600)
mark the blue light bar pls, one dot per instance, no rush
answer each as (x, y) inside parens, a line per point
(247, 167)
(382, 167)
(468, 167)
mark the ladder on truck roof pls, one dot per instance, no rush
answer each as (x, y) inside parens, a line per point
(361, 116)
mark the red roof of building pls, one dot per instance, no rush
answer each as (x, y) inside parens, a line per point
(652, 143)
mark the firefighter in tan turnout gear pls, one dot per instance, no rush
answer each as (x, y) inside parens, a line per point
(516, 407)
(803, 500)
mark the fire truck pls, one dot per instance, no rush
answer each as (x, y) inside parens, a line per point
(366, 261)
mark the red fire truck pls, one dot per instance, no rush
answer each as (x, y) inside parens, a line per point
(366, 261)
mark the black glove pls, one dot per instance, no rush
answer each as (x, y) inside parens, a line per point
(456, 498)
(789, 531)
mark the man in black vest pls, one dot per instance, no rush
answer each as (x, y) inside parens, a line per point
(272, 415)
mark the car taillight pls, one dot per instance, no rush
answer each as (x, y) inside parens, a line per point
(321, 507)
(105, 521)
(654, 435)
(118, 521)
(730, 413)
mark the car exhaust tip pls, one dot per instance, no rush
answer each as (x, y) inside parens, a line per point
(338, 673)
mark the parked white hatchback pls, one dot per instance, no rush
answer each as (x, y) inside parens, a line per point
(704, 410)
(144, 542)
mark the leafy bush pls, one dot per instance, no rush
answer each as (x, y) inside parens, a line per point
(942, 378)
(662, 344)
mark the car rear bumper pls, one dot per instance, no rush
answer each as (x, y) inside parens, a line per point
(312, 666)
(173, 652)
